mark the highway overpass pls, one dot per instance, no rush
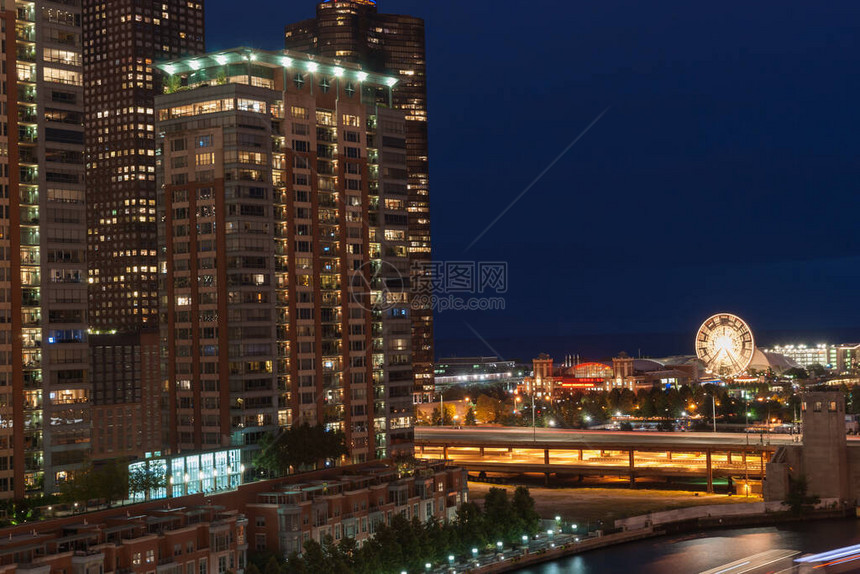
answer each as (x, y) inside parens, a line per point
(601, 453)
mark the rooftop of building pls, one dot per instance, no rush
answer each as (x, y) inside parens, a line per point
(199, 68)
(53, 537)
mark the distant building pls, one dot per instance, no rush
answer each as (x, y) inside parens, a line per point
(474, 370)
(623, 373)
(769, 360)
(806, 356)
(842, 358)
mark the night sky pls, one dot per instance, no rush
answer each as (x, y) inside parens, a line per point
(723, 177)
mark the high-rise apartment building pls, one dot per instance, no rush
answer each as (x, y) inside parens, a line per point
(283, 226)
(44, 389)
(122, 39)
(354, 31)
(126, 395)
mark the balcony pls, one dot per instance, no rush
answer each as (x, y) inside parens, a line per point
(27, 115)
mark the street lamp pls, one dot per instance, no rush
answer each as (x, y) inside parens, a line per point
(474, 552)
(428, 566)
(499, 545)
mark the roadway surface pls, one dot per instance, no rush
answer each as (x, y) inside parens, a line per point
(575, 439)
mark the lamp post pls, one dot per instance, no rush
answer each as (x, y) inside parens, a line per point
(534, 428)
(714, 407)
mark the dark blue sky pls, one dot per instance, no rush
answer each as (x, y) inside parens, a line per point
(723, 177)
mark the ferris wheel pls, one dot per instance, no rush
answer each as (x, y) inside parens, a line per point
(725, 344)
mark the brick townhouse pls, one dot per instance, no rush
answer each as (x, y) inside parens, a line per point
(351, 506)
(188, 540)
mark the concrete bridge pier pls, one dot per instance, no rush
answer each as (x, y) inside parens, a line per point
(710, 471)
(632, 459)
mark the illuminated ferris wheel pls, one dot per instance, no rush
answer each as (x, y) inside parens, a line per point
(725, 344)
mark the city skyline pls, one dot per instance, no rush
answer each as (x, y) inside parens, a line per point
(718, 166)
(234, 340)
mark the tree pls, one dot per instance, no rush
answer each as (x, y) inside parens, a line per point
(143, 479)
(449, 415)
(298, 447)
(797, 499)
(797, 373)
(470, 417)
(524, 508)
(486, 409)
(817, 370)
(107, 483)
(409, 544)
(172, 84)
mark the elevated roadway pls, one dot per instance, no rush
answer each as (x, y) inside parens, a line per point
(602, 453)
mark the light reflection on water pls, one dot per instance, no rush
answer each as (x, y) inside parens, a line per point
(704, 550)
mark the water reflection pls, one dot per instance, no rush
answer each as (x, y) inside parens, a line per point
(701, 551)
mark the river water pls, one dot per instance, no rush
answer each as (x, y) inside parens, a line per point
(696, 552)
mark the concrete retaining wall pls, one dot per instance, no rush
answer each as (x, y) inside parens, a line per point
(710, 511)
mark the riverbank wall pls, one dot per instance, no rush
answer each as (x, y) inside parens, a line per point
(670, 522)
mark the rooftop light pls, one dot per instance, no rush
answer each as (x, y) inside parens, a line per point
(338, 71)
(286, 62)
(362, 76)
(391, 81)
(170, 68)
(313, 66)
(221, 59)
(195, 65)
